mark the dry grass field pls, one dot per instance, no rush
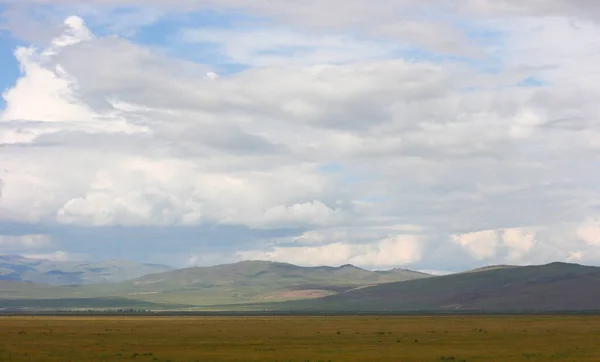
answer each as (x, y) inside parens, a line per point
(383, 338)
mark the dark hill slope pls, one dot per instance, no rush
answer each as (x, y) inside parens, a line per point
(556, 286)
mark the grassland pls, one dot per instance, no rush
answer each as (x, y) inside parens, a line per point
(177, 339)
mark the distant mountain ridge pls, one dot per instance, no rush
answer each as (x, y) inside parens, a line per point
(257, 269)
(242, 282)
(43, 271)
(258, 280)
(263, 285)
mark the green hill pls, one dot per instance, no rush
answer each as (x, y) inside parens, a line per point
(243, 282)
(253, 281)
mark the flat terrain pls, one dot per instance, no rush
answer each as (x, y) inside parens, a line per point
(383, 338)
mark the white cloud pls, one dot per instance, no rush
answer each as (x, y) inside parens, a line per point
(76, 32)
(282, 47)
(525, 123)
(55, 256)
(491, 244)
(403, 20)
(308, 213)
(22, 242)
(370, 17)
(390, 252)
(122, 134)
(192, 121)
(51, 92)
(331, 254)
(589, 232)
(520, 242)
(480, 244)
(566, 8)
(322, 236)
(172, 192)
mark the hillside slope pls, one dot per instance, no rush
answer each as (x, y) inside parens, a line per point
(243, 282)
(253, 281)
(555, 286)
(267, 273)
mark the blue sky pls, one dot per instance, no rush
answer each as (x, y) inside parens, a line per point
(383, 134)
(165, 34)
(10, 66)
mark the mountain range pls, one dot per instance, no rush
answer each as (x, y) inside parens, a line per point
(238, 283)
(43, 271)
(251, 281)
(262, 285)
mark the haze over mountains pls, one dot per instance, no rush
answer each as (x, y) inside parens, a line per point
(243, 282)
(262, 285)
(43, 271)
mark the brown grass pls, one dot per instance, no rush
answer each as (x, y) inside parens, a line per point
(179, 339)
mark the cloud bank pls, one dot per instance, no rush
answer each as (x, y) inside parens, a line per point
(416, 139)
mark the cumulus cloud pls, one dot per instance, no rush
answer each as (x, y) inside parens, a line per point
(340, 139)
(490, 244)
(55, 256)
(75, 32)
(519, 242)
(178, 192)
(395, 251)
(392, 251)
(82, 97)
(589, 232)
(481, 244)
(19, 242)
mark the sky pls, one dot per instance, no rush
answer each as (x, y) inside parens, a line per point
(436, 136)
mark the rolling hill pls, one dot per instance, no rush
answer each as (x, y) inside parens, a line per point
(253, 281)
(243, 282)
(492, 267)
(42, 271)
(260, 285)
(551, 287)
